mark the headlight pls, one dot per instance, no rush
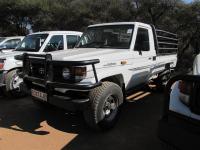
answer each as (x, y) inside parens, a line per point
(74, 74)
(66, 73)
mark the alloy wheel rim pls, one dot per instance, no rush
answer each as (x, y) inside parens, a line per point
(16, 83)
(109, 106)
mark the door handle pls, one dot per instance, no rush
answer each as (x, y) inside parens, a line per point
(154, 58)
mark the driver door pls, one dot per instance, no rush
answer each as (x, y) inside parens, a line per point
(143, 54)
(56, 43)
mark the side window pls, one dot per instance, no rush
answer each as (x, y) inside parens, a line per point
(142, 40)
(72, 40)
(55, 43)
(11, 44)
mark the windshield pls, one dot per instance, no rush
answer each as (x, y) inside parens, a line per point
(112, 36)
(32, 43)
(1, 39)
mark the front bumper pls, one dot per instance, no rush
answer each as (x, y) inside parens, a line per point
(50, 85)
(76, 98)
(75, 93)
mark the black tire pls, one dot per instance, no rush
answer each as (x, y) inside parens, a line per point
(10, 90)
(97, 115)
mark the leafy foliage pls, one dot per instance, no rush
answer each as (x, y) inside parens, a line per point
(173, 15)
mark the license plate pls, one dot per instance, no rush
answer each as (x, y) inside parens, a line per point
(40, 95)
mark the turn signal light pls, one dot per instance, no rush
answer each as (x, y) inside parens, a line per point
(124, 62)
(74, 73)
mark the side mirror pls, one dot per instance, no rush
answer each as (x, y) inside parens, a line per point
(140, 52)
(19, 57)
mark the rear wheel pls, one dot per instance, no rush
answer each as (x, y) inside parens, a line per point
(104, 108)
(162, 80)
(13, 82)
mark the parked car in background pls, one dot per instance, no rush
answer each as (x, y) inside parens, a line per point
(9, 43)
(110, 60)
(180, 123)
(39, 42)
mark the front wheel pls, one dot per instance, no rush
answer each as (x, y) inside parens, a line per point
(13, 82)
(104, 107)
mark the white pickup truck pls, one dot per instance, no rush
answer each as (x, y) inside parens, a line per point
(109, 60)
(9, 43)
(39, 42)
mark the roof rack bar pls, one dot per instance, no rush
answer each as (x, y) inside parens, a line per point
(163, 54)
(166, 43)
(157, 30)
(167, 48)
(164, 37)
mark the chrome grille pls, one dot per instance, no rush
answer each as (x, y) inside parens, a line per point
(37, 70)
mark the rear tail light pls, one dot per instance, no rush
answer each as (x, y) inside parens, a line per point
(184, 87)
(1, 65)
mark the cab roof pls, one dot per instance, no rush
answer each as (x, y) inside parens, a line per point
(119, 23)
(58, 32)
(13, 37)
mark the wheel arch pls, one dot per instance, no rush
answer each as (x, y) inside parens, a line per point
(14, 69)
(117, 79)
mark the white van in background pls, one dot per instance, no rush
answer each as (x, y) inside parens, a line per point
(35, 43)
(9, 43)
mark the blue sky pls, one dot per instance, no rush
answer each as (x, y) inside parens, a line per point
(188, 1)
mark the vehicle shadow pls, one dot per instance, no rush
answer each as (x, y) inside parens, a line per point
(25, 116)
(136, 127)
(21, 115)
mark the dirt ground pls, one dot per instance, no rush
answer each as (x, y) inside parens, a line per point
(25, 126)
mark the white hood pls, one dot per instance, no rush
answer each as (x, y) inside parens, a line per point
(89, 53)
(8, 54)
